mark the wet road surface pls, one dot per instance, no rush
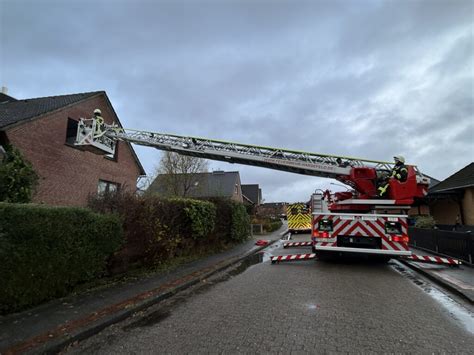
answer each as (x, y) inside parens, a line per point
(303, 307)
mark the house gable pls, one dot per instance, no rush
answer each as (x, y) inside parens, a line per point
(69, 175)
(15, 112)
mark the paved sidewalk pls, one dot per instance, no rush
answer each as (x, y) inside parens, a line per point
(50, 326)
(458, 279)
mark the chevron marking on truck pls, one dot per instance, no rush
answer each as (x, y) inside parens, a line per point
(357, 228)
(299, 217)
(433, 259)
(292, 257)
(297, 244)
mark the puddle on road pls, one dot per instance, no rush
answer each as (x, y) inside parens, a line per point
(246, 263)
(456, 310)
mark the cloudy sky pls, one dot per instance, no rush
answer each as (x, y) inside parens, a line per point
(369, 79)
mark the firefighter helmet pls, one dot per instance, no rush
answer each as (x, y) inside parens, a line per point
(97, 112)
(399, 158)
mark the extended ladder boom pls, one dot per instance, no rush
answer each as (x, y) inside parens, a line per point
(102, 137)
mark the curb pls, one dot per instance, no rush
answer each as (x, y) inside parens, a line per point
(55, 346)
(438, 280)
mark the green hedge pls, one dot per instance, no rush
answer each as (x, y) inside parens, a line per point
(425, 222)
(272, 226)
(158, 229)
(18, 180)
(240, 226)
(45, 251)
(233, 221)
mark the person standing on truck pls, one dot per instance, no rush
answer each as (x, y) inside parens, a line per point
(399, 172)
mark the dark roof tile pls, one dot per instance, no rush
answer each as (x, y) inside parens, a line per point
(6, 98)
(461, 179)
(12, 112)
(215, 184)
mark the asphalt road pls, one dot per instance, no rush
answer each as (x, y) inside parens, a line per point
(304, 307)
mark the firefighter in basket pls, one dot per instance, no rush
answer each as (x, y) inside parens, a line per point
(399, 172)
(99, 123)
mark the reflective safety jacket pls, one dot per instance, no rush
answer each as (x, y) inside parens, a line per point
(400, 172)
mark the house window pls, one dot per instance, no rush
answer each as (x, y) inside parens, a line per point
(71, 131)
(107, 187)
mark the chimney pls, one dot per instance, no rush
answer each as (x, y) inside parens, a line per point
(4, 90)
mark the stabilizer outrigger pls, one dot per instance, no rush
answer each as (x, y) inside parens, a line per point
(413, 257)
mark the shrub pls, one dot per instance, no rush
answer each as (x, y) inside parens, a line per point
(272, 226)
(18, 180)
(240, 225)
(201, 215)
(232, 221)
(157, 229)
(45, 251)
(427, 222)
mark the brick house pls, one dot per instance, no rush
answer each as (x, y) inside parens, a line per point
(216, 184)
(44, 129)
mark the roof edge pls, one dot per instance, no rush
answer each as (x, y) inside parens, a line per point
(135, 156)
(32, 118)
(451, 188)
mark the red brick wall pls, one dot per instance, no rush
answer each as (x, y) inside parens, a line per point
(68, 175)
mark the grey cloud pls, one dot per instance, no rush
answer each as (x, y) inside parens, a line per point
(367, 78)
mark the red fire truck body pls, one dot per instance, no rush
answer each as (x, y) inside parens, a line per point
(372, 234)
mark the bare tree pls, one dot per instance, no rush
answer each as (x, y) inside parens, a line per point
(180, 172)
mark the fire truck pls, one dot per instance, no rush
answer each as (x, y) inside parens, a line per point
(299, 217)
(355, 221)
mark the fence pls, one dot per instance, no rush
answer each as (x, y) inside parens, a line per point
(456, 244)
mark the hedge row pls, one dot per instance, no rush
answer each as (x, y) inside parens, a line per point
(272, 226)
(232, 222)
(157, 230)
(45, 251)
